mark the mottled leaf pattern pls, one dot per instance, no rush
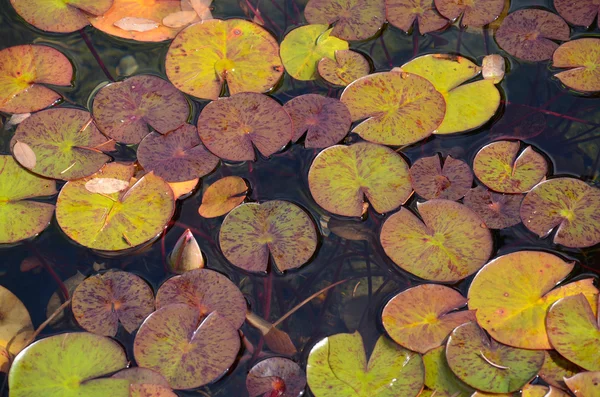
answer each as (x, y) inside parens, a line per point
(582, 57)
(584, 384)
(497, 210)
(430, 180)
(274, 372)
(475, 13)
(142, 376)
(347, 66)
(578, 12)
(556, 368)
(351, 19)
(223, 196)
(439, 376)
(15, 327)
(403, 13)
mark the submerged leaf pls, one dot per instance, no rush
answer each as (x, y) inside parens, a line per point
(430, 180)
(180, 19)
(403, 13)
(351, 19)
(347, 67)
(582, 57)
(15, 327)
(556, 368)
(497, 210)
(223, 196)
(186, 254)
(276, 376)
(439, 376)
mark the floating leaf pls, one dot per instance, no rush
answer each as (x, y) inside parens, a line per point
(186, 254)
(144, 382)
(567, 204)
(541, 391)
(497, 166)
(231, 126)
(15, 327)
(493, 67)
(24, 155)
(341, 176)
(305, 46)
(529, 34)
(132, 24)
(421, 318)
(556, 368)
(352, 20)
(476, 13)
(513, 292)
(337, 367)
(403, 13)
(578, 12)
(206, 55)
(188, 350)
(582, 57)
(345, 68)
(223, 196)
(497, 210)
(252, 232)
(399, 108)
(439, 376)
(183, 189)
(23, 70)
(431, 181)
(584, 384)
(326, 121)
(276, 376)
(106, 185)
(180, 19)
(449, 244)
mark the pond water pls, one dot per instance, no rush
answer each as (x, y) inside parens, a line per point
(535, 108)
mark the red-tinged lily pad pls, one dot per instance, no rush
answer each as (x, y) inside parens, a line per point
(439, 376)
(578, 12)
(430, 180)
(498, 167)
(326, 121)
(223, 196)
(345, 68)
(337, 367)
(205, 56)
(65, 143)
(403, 13)
(276, 376)
(556, 368)
(103, 301)
(574, 331)
(253, 232)
(42, 369)
(530, 34)
(189, 350)
(118, 221)
(450, 242)
(351, 19)
(144, 382)
(582, 57)
(15, 327)
(60, 16)
(512, 293)
(476, 13)
(126, 110)
(206, 290)
(231, 127)
(421, 318)
(584, 384)
(567, 204)
(399, 108)
(340, 178)
(177, 156)
(487, 365)
(497, 210)
(20, 217)
(23, 71)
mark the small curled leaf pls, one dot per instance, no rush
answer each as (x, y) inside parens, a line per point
(24, 155)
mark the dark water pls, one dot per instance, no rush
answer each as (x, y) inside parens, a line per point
(536, 108)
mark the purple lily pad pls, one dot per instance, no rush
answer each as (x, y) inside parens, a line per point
(327, 120)
(176, 156)
(230, 126)
(528, 34)
(578, 12)
(430, 180)
(142, 376)
(403, 13)
(497, 210)
(276, 376)
(207, 291)
(125, 110)
(476, 13)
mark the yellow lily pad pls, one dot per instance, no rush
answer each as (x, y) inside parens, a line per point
(345, 68)
(582, 58)
(15, 327)
(584, 384)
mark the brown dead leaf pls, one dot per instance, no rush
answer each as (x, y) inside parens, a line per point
(136, 24)
(24, 155)
(106, 185)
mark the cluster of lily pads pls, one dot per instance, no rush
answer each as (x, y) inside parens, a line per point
(524, 317)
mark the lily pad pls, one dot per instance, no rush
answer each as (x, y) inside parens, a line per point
(41, 370)
(206, 55)
(231, 126)
(144, 382)
(556, 368)
(188, 350)
(476, 13)
(584, 384)
(340, 178)
(567, 204)
(126, 110)
(487, 365)
(186, 254)
(24, 70)
(430, 180)
(422, 317)
(530, 34)
(541, 391)
(578, 12)
(253, 232)
(326, 121)
(352, 20)
(497, 210)
(403, 13)
(439, 376)
(206, 290)
(337, 366)
(582, 57)
(117, 221)
(450, 242)
(345, 68)
(182, 190)
(399, 108)
(497, 166)
(305, 46)
(513, 292)
(20, 217)
(15, 327)
(223, 196)
(65, 143)
(276, 376)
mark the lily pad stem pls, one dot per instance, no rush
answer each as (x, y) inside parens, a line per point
(90, 46)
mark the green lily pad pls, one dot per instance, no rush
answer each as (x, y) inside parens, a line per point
(584, 384)
(42, 369)
(430, 180)
(497, 210)
(352, 20)
(345, 68)
(476, 13)
(24, 70)
(117, 221)
(337, 367)
(422, 317)
(403, 13)
(276, 376)
(253, 232)
(450, 242)
(399, 108)
(205, 56)
(556, 368)
(439, 376)
(487, 365)
(582, 58)
(223, 196)
(578, 12)
(305, 46)
(341, 176)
